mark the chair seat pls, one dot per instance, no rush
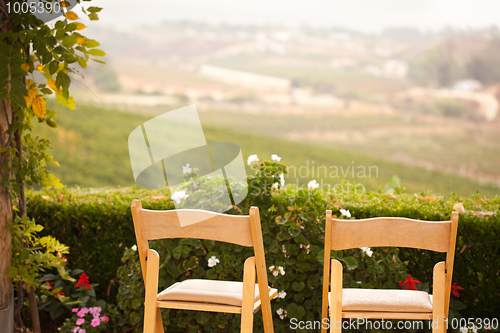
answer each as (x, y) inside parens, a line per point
(383, 300)
(207, 291)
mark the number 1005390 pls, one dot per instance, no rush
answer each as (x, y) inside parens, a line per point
(33, 7)
(473, 323)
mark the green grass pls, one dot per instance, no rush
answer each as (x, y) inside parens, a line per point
(91, 147)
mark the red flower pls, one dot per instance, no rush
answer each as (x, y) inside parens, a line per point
(83, 281)
(59, 293)
(409, 284)
(51, 284)
(454, 290)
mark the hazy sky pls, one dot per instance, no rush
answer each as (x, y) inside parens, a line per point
(365, 15)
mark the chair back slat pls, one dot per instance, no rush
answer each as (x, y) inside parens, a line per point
(390, 232)
(187, 223)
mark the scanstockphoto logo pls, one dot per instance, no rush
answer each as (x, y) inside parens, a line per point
(170, 151)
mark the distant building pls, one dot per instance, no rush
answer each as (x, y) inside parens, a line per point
(467, 85)
(245, 79)
(391, 68)
(340, 63)
(395, 68)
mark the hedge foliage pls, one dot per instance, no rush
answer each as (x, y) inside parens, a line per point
(97, 226)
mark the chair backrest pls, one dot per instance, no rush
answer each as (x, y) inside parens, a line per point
(391, 232)
(235, 229)
(437, 236)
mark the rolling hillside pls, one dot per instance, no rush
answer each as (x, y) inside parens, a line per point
(91, 147)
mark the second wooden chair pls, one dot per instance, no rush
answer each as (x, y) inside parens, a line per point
(388, 304)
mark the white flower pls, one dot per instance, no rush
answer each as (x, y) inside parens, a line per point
(186, 169)
(275, 157)
(282, 294)
(282, 179)
(275, 186)
(367, 250)
(464, 330)
(277, 270)
(251, 159)
(134, 248)
(282, 313)
(345, 212)
(312, 185)
(178, 196)
(212, 261)
(474, 329)
(302, 246)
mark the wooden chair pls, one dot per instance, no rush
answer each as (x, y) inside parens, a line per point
(245, 297)
(388, 304)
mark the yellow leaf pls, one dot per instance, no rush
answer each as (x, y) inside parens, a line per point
(40, 68)
(39, 106)
(31, 96)
(65, 4)
(81, 41)
(80, 26)
(25, 67)
(71, 15)
(52, 85)
(29, 83)
(69, 103)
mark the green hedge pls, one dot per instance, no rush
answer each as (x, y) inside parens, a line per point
(98, 228)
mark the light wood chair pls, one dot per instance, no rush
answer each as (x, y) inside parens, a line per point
(388, 304)
(245, 298)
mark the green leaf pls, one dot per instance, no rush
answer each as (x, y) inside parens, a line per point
(92, 43)
(53, 67)
(51, 123)
(295, 311)
(81, 62)
(96, 52)
(60, 25)
(94, 9)
(136, 303)
(351, 263)
(99, 61)
(298, 286)
(62, 80)
(70, 40)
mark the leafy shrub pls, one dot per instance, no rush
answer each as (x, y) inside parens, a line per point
(98, 228)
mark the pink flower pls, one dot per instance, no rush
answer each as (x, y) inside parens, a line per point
(95, 311)
(82, 330)
(80, 321)
(95, 322)
(75, 329)
(74, 310)
(104, 318)
(82, 312)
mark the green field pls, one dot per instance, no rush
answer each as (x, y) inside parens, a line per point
(91, 147)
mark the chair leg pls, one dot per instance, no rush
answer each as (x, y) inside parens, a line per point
(438, 299)
(150, 308)
(159, 321)
(247, 321)
(336, 298)
(248, 296)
